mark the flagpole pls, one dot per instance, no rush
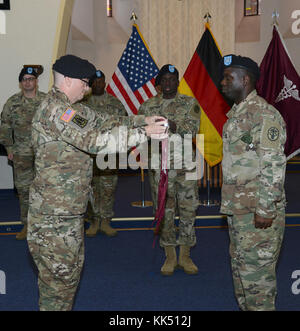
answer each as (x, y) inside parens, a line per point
(208, 202)
(143, 203)
(275, 16)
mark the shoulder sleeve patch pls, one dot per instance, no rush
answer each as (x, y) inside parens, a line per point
(68, 115)
(270, 135)
(195, 111)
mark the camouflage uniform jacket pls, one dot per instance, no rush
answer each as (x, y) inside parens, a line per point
(253, 159)
(185, 112)
(62, 140)
(106, 103)
(16, 117)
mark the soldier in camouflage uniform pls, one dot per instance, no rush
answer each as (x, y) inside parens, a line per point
(15, 135)
(183, 113)
(63, 138)
(104, 181)
(253, 195)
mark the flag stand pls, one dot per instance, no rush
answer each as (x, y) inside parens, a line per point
(208, 202)
(142, 203)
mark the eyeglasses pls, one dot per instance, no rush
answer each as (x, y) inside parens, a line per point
(29, 79)
(86, 82)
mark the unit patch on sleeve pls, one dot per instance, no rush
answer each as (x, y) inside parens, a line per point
(270, 134)
(80, 121)
(195, 111)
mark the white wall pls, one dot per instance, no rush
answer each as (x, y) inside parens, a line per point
(6, 174)
(29, 39)
(257, 49)
(110, 34)
(83, 18)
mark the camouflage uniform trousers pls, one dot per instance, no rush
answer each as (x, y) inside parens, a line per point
(254, 254)
(181, 194)
(153, 188)
(56, 244)
(23, 177)
(101, 204)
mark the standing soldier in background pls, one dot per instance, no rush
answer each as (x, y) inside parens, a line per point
(183, 114)
(253, 195)
(15, 135)
(104, 181)
(63, 139)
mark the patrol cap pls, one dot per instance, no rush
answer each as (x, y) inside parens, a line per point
(28, 71)
(243, 62)
(166, 69)
(74, 67)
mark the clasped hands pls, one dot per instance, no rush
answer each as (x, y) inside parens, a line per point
(158, 127)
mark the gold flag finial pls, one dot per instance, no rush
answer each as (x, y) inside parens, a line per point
(207, 17)
(275, 16)
(133, 16)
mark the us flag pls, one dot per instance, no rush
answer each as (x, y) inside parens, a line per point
(133, 80)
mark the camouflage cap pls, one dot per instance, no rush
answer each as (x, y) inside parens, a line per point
(243, 62)
(27, 71)
(74, 67)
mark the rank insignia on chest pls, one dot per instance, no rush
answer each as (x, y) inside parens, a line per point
(68, 115)
(246, 138)
(80, 121)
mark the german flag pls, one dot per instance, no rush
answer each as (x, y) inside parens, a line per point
(201, 80)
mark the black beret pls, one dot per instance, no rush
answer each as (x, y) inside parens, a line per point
(166, 69)
(157, 80)
(74, 67)
(243, 62)
(27, 71)
(98, 74)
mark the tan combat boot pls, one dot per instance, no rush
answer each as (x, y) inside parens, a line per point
(93, 229)
(23, 234)
(106, 229)
(171, 261)
(185, 262)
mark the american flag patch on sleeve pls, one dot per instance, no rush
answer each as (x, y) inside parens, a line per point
(68, 115)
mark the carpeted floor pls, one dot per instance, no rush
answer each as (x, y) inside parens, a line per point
(123, 274)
